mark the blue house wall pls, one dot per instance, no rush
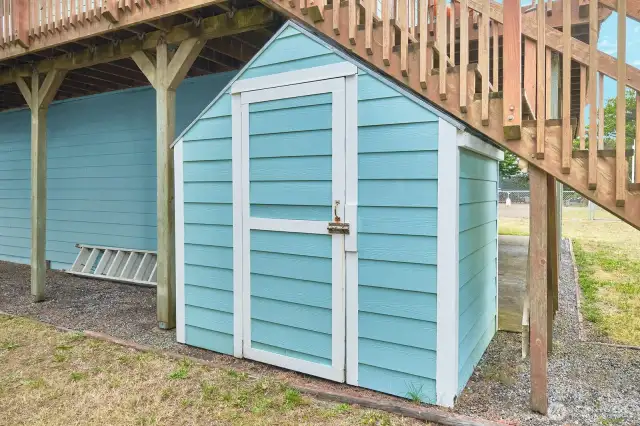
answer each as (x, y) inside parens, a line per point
(397, 140)
(101, 170)
(478, 246)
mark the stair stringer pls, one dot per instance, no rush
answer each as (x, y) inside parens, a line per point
(603, 195)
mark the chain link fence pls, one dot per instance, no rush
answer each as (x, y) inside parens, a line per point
(570, 198)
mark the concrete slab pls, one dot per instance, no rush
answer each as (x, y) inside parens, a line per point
(512, 273)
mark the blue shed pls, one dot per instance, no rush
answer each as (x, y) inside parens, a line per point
(331, 223)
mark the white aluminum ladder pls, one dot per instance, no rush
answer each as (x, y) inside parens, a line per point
(116, 264)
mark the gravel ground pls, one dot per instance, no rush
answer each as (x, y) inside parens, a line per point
(588, 384)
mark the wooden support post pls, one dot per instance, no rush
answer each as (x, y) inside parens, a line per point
(165, 76)
(511, 61)
(553, 259)
(38, 99)
(538, 288)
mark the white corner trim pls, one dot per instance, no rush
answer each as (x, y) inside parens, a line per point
(351, 216)
(447, 260)
(475, 144)
(325, 72)
(178, 155)
(497, 245)
(236, 165)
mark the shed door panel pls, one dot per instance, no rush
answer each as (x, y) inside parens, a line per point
(293, 152)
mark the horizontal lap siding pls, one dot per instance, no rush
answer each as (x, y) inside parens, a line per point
(208, 231)
(101, 171)
(397, 207)
(15, 154)
(478, 270)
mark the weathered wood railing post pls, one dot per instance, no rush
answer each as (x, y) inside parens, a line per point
(165, 76)
(38, 98)
(20, 17)
(511, 57)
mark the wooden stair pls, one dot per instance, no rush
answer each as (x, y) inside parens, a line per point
(351, 35)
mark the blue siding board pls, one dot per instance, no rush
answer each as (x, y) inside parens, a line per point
(291, 338)
(288, 103)
(209, 298)
(209, 319)
(405, 304)
(408, 137)
(313, 245)
(398, 165)
(391, 356)
(291, 212)
(208, 214)
(398, 220)
(287, 314)
(302, 292)
(396, 383)
(290, 266)
(220, 235)
(477, 269)
(315, 142)
(398, 193)
(208, 276)
(208, 339)
(290, 353)
(316, 168)
(402, 331)
(398, 248)
(204, 171)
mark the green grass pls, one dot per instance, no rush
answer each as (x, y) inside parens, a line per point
(610, 285)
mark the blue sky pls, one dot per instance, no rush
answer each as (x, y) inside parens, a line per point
(608, 43)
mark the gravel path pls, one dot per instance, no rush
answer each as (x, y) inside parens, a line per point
(588, 384)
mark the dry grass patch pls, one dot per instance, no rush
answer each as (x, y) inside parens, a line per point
(52, 378)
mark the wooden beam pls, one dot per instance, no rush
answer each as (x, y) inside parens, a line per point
(512, 61)
(538, 288)
(182, 60)
(632, 7)
(213, 27)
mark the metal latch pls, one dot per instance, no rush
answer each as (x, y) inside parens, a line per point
(338, 228)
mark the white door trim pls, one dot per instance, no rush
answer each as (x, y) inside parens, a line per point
(243, 223)
(178, 156)
(323, 72)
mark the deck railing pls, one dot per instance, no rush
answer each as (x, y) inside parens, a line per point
(506, 33)
(24, 20)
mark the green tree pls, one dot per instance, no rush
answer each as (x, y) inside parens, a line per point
(610, 109)
(509, 167)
